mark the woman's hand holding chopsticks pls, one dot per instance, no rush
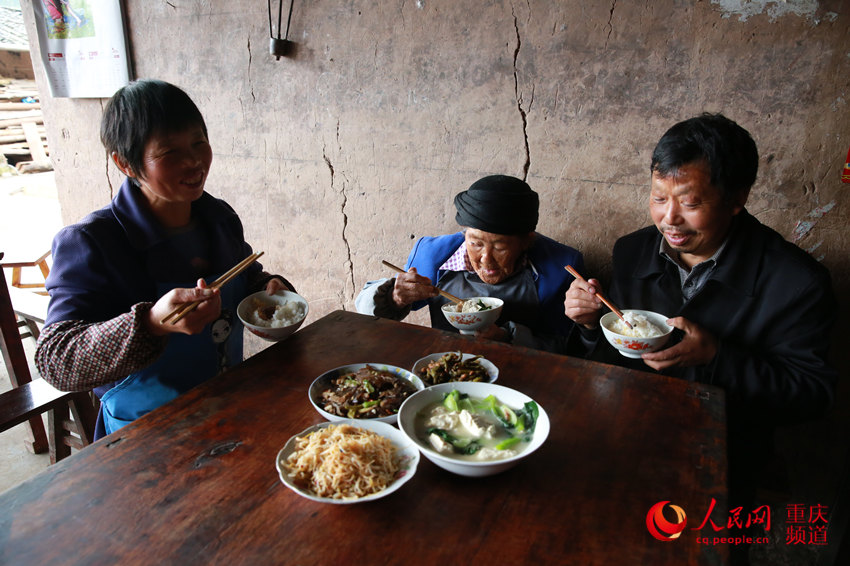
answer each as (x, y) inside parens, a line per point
(410, 287)
(183, 309)
(206, 311)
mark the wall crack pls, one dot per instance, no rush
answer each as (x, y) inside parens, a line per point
(519, 102)
(250, 61)
(610, 26)
(349, 262)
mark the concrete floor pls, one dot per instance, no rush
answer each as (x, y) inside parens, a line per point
(29, 217)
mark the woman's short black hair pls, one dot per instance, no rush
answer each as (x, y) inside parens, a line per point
(727, 149)
(141, 109)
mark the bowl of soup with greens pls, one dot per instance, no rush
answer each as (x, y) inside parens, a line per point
(474, 428)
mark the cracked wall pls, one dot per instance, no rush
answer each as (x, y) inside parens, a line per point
(342, 154)
(519, 103)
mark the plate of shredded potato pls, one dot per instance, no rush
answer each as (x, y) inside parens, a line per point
(347, 461)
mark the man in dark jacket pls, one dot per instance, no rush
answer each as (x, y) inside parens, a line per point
(753, 313)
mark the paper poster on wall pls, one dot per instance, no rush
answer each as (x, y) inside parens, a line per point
(82, 47)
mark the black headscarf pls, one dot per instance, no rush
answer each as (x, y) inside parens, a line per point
(498, 204)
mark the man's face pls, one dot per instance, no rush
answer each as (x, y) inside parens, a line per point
(494, 257)
(690, 212)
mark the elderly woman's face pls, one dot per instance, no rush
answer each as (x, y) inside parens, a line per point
(494, 257)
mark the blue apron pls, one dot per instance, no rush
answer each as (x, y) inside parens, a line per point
(187, 361)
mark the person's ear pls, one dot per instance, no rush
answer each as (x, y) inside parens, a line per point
(122, 164)
(739, 202)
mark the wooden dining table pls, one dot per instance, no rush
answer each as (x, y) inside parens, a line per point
(194, 482)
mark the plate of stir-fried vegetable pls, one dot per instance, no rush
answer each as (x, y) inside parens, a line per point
(371, 391)
(445, 367)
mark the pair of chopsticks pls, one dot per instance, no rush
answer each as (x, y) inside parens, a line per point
(602, 298)
(449, 296)
(184, 309)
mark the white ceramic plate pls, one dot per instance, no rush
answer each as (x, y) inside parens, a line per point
(488, 366)
(323, 382)
(408, 453)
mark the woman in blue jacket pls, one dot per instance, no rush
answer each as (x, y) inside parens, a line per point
(122, 269)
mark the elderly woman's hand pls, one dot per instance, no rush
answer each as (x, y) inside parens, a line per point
(192, 323)
(581, 303)
(411, 287)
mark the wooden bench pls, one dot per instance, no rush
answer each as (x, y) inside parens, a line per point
(70, 416)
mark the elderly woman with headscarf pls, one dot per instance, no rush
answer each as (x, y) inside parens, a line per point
(497, 254)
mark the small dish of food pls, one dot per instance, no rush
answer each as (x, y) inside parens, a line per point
(454, 366)
(273, 317)
(473, 314)
(347, 461)
(472, 428)
(649, 332)
(369, 391)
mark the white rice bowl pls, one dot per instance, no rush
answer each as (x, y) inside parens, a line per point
(290, 311)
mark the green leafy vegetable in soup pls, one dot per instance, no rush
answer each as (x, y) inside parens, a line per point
(476, 429)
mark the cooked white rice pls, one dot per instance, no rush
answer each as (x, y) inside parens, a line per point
(284, 315)
(642, 328)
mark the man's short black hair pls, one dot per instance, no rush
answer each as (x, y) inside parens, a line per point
(141, 109)
(727, 149)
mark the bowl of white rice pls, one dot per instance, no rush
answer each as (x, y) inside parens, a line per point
(273, 317)
(649, 332)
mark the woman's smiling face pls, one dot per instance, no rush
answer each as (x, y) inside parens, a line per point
(175, 166)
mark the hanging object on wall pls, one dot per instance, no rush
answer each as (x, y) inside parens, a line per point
(279, 46)
(845, 177)
(82, 47)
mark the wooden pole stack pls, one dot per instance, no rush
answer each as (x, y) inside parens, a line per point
(23, 139)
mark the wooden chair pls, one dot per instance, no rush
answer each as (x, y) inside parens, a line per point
(28, 299)
(71, 416)
(31, 310)
(17, 264)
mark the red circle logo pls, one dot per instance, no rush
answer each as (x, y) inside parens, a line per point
(660, 527)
